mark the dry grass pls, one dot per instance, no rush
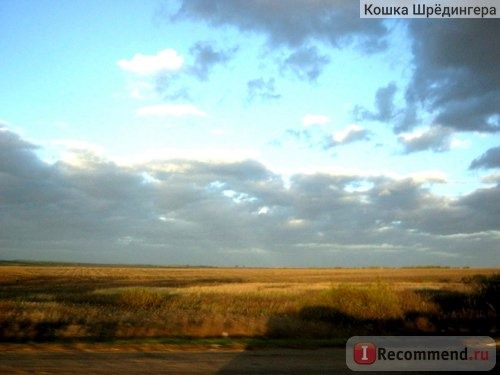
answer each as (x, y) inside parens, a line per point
(101, 303)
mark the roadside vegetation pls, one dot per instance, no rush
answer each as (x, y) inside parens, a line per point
(68, 303)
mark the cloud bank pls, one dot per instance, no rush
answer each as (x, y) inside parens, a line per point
(182, 211)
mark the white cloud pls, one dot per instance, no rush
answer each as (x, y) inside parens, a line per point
(493, 178)
(142, 90)
(338, 171)
(206, 154)
(76, 144)
(176, 110)
(409, 137)
(263, 210)
(437, 139)
(457, 143)
(349, 134)
(146, 65)
(78, 153)
(296, 222)
(3, 124)
(429, 177)
(312, 119)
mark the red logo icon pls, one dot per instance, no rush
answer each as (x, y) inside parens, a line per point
(365, 353)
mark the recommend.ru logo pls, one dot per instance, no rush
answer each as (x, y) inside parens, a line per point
(425, 353)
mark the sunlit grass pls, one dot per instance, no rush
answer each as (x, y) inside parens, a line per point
(142, 298)
(102, 303)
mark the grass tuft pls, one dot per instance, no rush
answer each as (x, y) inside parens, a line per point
(142, 298)
(373, 301)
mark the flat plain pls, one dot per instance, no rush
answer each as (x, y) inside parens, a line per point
(91, 303)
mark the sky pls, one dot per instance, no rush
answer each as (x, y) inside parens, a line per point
(253, 133)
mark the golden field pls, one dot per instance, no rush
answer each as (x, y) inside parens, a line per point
(70, 302)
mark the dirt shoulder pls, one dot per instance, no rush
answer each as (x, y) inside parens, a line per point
(165, 360)
(155, 358)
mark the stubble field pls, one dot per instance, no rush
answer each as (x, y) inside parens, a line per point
(43, 303)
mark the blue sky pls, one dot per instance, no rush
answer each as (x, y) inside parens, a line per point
(269, 133)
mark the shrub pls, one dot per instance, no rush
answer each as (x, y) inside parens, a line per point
(486, 292)
(375, 301)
